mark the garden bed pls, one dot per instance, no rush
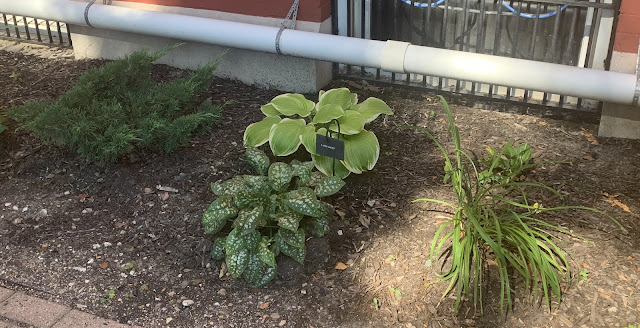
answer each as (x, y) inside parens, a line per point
(112, 240)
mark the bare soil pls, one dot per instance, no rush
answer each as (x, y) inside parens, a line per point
(72, 231)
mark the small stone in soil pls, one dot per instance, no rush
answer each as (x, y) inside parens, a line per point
(187, 303)
(222, 292)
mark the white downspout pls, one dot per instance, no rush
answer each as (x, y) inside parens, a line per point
(394, 56)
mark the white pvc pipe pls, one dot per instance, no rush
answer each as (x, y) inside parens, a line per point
(391, 55)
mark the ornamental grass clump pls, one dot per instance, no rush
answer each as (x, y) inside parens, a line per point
(117, 107)
(268, 214)
(496, 223)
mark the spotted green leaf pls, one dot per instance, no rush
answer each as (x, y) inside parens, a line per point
(252, 239)
(257, 273)
(246, 197)
(257, 159)
(284, 137)
(329, 186)
(293, 238)
(280, 175)
(229, 187)
(304, 203)
(351, 122)
(258, 185)
(257, 134)
(288, 218)
(303, 171)
(265, 254)
(296, 253)
(292, 104)
(316, 227)
(217, 250)
(328, 112)
(235, 242)
(237, 262)
(216, 216)
(372, 108)
(248, 219)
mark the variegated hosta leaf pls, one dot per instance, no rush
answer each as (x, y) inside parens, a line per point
(293, 238)
(269, 110)
(248, 219)
(361, 151)
(372, 108)
(327, 113)
(258, 159)
(257, 134)
(288, 218)
(235, 242)
(217, 250)
(329, 186)
(351, 123)
(325, 165)
(292, 104)
(284, 137)
(280, 175)
(304, 203)
(316, 227)
(216, 216)
(265, 254)
(308, 137)
(229, 187)
(257, 273)
(341, 97)
(296, 253)
(237, 262)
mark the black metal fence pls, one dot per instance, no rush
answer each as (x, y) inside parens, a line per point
(568, 32)
(29, 29)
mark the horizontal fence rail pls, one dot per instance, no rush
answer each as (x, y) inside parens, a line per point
(34, 30)
(568, 32)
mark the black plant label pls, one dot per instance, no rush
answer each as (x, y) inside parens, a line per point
(330, 147)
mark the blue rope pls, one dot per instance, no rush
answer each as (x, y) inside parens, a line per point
(506, 5)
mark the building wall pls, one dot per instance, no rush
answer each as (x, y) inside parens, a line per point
(266, 70)
(622, 121)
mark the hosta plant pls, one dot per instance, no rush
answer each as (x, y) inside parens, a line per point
(268, 214)
(291, 120)
(496, 223)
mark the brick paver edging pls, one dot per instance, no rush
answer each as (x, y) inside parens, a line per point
(20, 308)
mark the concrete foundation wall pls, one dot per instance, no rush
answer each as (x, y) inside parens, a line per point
(266, 70)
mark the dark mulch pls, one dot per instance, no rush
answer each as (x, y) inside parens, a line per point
(102, 231)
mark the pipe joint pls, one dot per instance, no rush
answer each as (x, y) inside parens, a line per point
(392, 57)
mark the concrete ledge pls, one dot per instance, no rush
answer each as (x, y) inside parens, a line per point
(265, 70)
(620, 121)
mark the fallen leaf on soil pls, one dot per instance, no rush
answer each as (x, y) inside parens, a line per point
(148, 190)
(589, 158)
(168, 320)
(340, 213)
(542, 123)
(341, 266)
(565, 321)
(171, 293)
(589, 137)
(611, 199)
(104, 265)
(638, 269)
(364, 220)
(166, 188)
(165, 196)
(263, 306)
(82, 197)
(622, 277)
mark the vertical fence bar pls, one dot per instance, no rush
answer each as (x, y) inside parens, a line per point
(379, 27)
(6, 24)
(465, 10)
(514, 47)
(425, 30)
(552, 51)
(349, 27)
(410, 36)
(26, 28)
(59, 33)
(395, 30)
(35, 21)
(334, 30)
(443, 34)
(363, 33)
(15, 26)
(49, 32)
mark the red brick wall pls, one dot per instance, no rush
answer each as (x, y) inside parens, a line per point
(309, 10)
(628, 32)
